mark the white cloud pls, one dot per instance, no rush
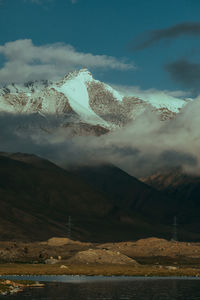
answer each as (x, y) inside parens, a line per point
(143, 146)
(25, 61)
(133, 90)
(158, 98)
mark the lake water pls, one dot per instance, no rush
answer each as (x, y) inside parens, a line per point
(110, 288)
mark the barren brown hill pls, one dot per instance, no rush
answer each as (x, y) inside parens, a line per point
(127, 193)
(37, 197)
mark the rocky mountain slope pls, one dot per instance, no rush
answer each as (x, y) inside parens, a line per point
(80, 104)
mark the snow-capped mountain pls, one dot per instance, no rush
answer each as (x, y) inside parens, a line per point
(80, 103)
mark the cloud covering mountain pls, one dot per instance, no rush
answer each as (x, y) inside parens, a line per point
(25, 61)
(140, 146)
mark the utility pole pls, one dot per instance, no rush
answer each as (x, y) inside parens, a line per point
(69, 227)
(175, 229)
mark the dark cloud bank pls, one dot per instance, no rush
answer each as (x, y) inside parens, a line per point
(140, 148)
(186, 73)
(182, 71)
(154, 36)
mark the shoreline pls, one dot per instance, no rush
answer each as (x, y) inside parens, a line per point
(13, 277)
(95, 270)
(14, 286)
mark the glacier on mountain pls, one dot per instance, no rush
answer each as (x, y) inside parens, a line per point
(75, 89)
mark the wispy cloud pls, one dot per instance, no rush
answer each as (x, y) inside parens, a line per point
(162, 96)
(172, 32)
(142, 147)
(25, 61)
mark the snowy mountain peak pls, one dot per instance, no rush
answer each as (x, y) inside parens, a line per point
(83, 75)
(80, 99)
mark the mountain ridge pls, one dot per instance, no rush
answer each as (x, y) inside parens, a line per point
(35, 192)
(184, 188)
(79, 98)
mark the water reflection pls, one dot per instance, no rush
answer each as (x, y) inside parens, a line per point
(137, 289)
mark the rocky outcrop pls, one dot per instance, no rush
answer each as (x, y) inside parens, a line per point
(102, 256)
(58, 241)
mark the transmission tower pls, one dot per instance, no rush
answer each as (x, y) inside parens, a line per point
(69, 227)
(175, 229)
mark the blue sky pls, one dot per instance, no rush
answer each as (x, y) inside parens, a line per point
(107, 27)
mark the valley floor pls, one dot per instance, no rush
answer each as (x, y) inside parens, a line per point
(57, 256)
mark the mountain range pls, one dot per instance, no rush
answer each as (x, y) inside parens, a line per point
(80, 104)
(37, 197)
(104, 202)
